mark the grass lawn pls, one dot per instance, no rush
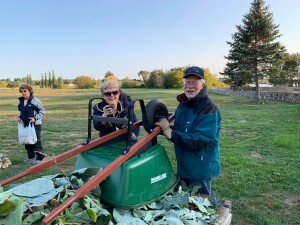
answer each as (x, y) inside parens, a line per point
(260, 147)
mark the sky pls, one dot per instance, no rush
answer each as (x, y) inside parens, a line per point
(92, 37)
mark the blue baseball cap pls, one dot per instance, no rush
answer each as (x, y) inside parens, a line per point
(194, 70)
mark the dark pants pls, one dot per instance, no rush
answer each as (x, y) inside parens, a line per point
(33, 150)
(205, 185)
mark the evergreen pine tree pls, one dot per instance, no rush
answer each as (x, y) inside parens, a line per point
(46, 81)
(253, 49)
(49, 80)
(54, 85)
(42, 81)
(60, 82)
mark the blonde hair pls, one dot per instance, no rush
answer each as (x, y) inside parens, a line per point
(108, 84)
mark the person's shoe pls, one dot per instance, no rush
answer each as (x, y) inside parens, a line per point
(35, 162)
(29, 160)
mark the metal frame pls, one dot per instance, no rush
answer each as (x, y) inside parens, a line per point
(128, 121)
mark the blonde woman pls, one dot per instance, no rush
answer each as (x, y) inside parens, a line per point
(115, 104)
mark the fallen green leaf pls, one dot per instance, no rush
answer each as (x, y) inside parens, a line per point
(7, 207)
(91, 213)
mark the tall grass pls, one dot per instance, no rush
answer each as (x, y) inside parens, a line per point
(260, 147)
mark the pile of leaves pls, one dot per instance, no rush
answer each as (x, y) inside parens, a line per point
(178, 208)
(30, 202)
(4, 161)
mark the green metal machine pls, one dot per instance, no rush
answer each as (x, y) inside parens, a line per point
(138, 181)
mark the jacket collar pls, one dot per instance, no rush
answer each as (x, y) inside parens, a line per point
(22, 98)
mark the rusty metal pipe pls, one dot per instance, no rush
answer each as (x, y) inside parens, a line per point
(73, 152)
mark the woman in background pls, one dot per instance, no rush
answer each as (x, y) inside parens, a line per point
(31, 111)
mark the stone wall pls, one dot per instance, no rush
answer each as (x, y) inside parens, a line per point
(278, 96)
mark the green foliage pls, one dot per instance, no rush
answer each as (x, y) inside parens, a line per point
(286, 71)
(127, 83)
(46, 81)
(11, 210)
(155, 79)
(38, 193)
(84, 82)
(3, 84)
(49, 81)
(108, 74)
(42, 82)
(7, 207)
(67, 81)
(59, 83)
(87, 209)
(111, 77)
(253, 49)
(29, 79)
(53, 80)
(173, 79)
(13, 84)
(212, 80)
(144, 75)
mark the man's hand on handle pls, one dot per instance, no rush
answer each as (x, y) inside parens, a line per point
(165, 127)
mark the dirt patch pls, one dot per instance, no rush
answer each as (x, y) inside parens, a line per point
(73, 134)
(8, 118)
(281, 88)
(54, 143)
(53, 118)
(256, 155)
(292, 201)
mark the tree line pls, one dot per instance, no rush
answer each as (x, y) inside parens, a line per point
(46, 81)
(172, 78)
(51, 81)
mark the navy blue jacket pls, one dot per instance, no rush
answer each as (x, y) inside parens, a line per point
(33, 108)
(196, 137)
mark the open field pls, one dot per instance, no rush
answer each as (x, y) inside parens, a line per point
(260, 147)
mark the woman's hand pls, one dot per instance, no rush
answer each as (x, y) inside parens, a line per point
(133, 137)
(107, 110)
(32, 120)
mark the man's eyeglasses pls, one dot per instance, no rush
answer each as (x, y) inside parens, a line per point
(191, 82)
(109, 93)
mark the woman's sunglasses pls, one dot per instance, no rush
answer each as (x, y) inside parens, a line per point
(109, 93)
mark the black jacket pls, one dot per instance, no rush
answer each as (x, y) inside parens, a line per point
(122, 109)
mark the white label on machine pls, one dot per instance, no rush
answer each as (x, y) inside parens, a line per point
(158, 178)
